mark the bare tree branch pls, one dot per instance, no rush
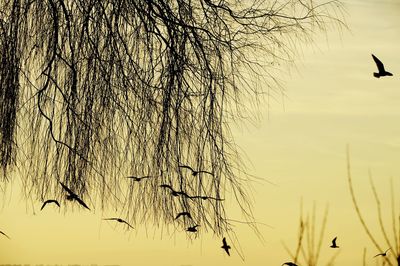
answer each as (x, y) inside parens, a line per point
(100, 90)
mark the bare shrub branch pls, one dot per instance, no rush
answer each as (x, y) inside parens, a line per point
(394, 255)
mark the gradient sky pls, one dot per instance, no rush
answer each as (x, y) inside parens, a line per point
(331, 100)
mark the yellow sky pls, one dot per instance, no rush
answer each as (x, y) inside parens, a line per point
(332, 99)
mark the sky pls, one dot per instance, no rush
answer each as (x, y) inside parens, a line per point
(332, 100)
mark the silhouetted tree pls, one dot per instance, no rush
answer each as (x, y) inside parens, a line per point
(95, 90)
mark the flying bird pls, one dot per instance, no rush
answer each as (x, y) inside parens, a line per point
(381, 68)
(50, 201)
(195, 172)
(192, 228)
(4, 234)
(290, 264)
(138, 178)
(183, 214)
(205, 198)
(334, 243)
(225, 246)
(182, 193)
(174, 192)
(119, 220)
(72, 196)
(382, 254)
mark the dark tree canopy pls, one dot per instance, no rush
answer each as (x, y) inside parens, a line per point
(93, 91)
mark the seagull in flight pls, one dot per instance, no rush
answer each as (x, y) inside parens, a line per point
(381, 68)
(139, 178)
(204, 198)
(119, 220)
(174, 192)
(225, 246)
(192, 228)
(72, 196)
(177, 193)
(50, 201)
(4, 234)
(195, 172)
(183, 214)
(382, 254)
(289, 264)
(334, 243)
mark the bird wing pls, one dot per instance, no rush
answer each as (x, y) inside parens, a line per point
(187, 167)
(133, 177)
(167, 186)
(183, 194)
(215, 198)
(127, 224)
(56, 202)
(227, 251)
(179, 215)
(67, 189)
(334, 241)
(207, 198)
(224, 241)
(50, 201)
(1, 232)
(378, 63)
(111, 219)
(206, 172)
(44, 204)
(81, 202)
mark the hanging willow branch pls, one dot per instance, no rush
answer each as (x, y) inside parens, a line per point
(100, 90)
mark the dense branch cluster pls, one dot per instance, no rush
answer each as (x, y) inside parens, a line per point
(95, 90)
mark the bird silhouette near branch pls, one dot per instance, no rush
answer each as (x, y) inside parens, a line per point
(72, 196)
(48, 202)
(119, 220)
(100, 88)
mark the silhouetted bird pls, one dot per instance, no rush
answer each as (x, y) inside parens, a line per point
(4, 234)
(225, 246)
(382, 254)
(290, 264)
(50, 201)
(72, 196)
(139, 178)
(334, 243)
(204, 198)
(183, 214)
(195, 172)
(382, 72)
(192, 228)
(119, 220)
(174, 192)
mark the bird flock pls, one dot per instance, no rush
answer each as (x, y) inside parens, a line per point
(71, 196)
